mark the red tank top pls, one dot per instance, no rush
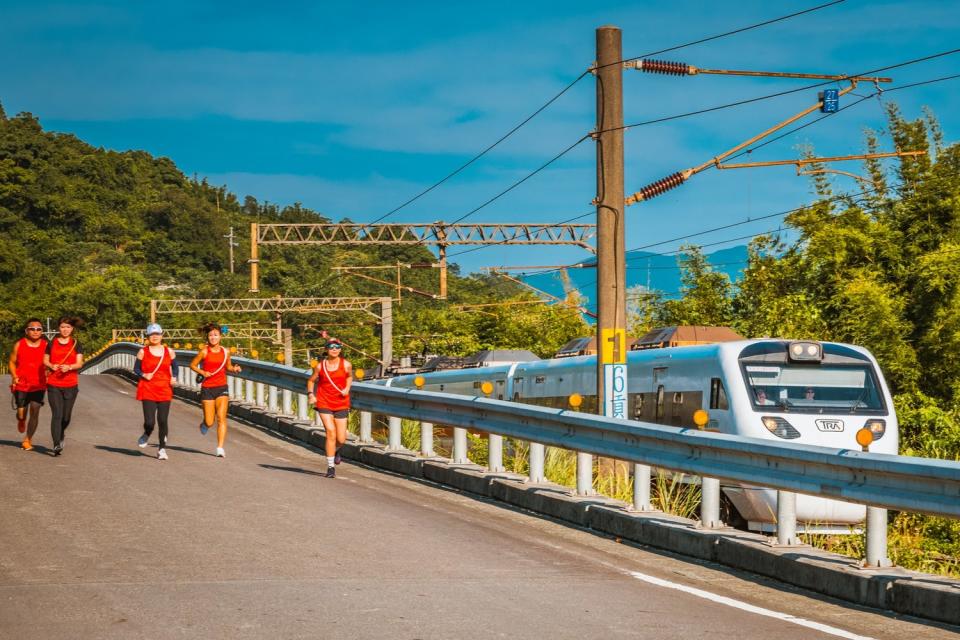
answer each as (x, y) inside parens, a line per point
(328, 393)
(157, 388)
(214, 362)
(30, 369)
(63, 354)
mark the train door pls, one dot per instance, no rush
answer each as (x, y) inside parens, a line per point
(659, 395)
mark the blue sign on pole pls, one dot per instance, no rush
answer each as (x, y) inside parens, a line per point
(831, 100)
(224, 329)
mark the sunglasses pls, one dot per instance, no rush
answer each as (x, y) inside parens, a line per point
(334, 346)
(34, 328)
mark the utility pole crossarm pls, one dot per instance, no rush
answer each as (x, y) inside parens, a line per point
(675, 180)
(683, 69)
(805, 161)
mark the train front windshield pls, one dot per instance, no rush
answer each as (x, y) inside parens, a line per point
(813, 389)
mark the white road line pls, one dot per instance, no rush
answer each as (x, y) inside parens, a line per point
(736, 604)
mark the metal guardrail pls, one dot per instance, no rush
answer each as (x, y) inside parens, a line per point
(881, 480)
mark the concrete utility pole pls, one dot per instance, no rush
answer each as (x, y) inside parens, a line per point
(611, 272)
(231, 244)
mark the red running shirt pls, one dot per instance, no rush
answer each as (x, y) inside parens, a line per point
(214, 362)
(328, 396)
(30, 369)
(157, 388)
(63, 354)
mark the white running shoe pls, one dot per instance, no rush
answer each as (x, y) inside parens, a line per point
(162, 454)
(221, 453)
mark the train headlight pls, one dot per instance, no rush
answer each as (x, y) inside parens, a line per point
(805, 351)
(780, 427)
(877, 427)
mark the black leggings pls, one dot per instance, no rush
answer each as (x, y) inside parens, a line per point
(61, 401)
(154, 412)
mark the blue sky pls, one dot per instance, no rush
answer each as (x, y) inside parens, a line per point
(351, 110)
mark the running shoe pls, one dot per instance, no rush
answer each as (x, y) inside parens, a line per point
(162, 454)
(203, 427)
(336, 458)
(142, 442)
(57, 449)
(331, 472)
(221, 453)
(21, 425)
(26, 445)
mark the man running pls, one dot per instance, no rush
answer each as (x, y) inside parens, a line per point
(29, 378)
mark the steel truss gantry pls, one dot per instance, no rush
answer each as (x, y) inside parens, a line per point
(436, 234)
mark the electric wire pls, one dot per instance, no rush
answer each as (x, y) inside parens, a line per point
(777, 94)
(580, 77)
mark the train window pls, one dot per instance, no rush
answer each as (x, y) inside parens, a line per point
(638, 406)
(718, 396)
(660, 395)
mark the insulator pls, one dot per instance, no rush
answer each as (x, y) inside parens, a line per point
(665, 67)
(661, 186)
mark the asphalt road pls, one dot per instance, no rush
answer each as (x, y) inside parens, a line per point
(106, 541)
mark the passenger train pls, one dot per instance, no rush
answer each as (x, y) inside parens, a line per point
(818, 393)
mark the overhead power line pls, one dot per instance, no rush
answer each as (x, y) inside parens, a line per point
(540, 109)
(735, 31)
(769, 96)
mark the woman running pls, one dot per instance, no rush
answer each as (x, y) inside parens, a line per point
(29, 378)
(332, 378)
(63, 358)
(157, 368)
(212, 364)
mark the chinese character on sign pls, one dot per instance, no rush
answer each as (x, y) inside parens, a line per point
(830, 99)
(615, 391)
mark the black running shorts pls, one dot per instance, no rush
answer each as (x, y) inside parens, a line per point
(336, 414)
(212, 393)
(23, 398)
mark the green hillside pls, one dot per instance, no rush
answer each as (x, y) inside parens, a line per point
(98, 233)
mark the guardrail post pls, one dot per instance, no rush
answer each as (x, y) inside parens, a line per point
(877, 538)
(232, 387)
(786, 518)
(460, 446)
(710, 503)
(495, 453)
(393, 438)
(248, 391)
(426, 438)
(261, 394)
(302, 406)
(366, 426)
(286, 402)
(272, 398)
(584, 474)
(641, 488)
(537, 452)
